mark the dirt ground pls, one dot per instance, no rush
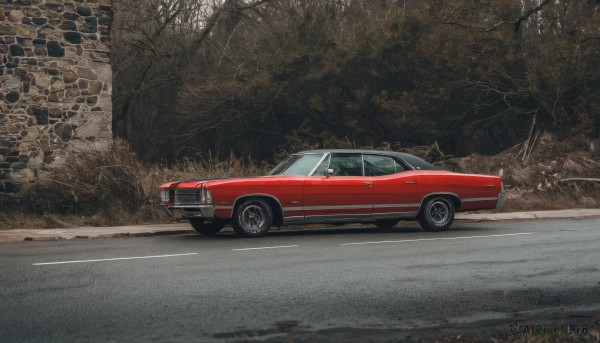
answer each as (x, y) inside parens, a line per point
(544, 173)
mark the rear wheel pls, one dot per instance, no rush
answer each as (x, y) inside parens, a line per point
(386, 222)
(437, 214)
(252, 217)
(207, 228)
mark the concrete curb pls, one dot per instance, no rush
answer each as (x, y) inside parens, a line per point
(20, 235)
(557, 214)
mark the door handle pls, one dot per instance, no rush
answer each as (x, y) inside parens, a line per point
(410, 182)
(370, 184)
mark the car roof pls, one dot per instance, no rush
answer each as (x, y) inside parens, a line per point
(412, 160)
(354, 151)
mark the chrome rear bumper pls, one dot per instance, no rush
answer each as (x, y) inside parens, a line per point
(501, 199)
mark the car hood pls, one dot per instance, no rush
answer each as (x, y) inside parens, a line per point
(218, 181)
(188, 183)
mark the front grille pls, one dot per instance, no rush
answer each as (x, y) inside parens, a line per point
(187, 196)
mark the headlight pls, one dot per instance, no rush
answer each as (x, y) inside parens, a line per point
(205, 196)
(202, 196)
(208, 197)
(164, 195)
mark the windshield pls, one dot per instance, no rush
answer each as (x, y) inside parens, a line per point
(297, 165)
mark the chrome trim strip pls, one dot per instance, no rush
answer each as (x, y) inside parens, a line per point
(362, 161)
(325, 155)
(349, 217)
(404, 162)
(348, 207)
(223, 207)
(396, 205)
(337, 207)
(478, 199)
(340, 216)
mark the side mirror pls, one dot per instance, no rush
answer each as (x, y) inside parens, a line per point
(328, 172)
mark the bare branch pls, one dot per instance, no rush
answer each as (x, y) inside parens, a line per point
(517, 22)
(228, 5)
(580, 179)
(252, 5)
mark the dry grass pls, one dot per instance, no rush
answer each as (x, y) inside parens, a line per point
(103, 188)
(537, 181)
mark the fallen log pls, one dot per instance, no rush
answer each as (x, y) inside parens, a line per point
(580, 179)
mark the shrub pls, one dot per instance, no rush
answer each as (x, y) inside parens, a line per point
(110, 187)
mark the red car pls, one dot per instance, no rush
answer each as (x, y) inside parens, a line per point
(333, 186)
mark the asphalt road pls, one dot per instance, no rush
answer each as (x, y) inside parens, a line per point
(320, 285)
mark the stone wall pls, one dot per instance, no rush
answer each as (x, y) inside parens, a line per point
(55, 86)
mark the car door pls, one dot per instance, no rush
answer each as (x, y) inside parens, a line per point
(395, 193)
(345, 195)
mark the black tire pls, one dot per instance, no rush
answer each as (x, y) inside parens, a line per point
(207, 228)
(252, 217)
(386, 222)
(437, 213)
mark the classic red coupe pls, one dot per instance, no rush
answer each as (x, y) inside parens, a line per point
(333, 186)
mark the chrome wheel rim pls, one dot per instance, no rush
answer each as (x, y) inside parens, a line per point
(252, 218)
(439, 212)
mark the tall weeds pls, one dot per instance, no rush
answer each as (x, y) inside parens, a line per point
(110, 187)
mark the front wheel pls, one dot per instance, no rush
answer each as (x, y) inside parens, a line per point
(205, 228)
(437, 214)
(252, 217)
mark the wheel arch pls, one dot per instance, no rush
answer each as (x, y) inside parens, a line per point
(270, 199)
(456, 201)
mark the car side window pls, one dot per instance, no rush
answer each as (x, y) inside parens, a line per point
(323, 167)
(376, 165)
(346, 164)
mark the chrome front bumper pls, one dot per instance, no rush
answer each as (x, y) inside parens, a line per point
(501, 199)
(192, 211)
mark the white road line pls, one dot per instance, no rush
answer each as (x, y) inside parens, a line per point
(442, 238)
(114, 259)
(262, 248)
